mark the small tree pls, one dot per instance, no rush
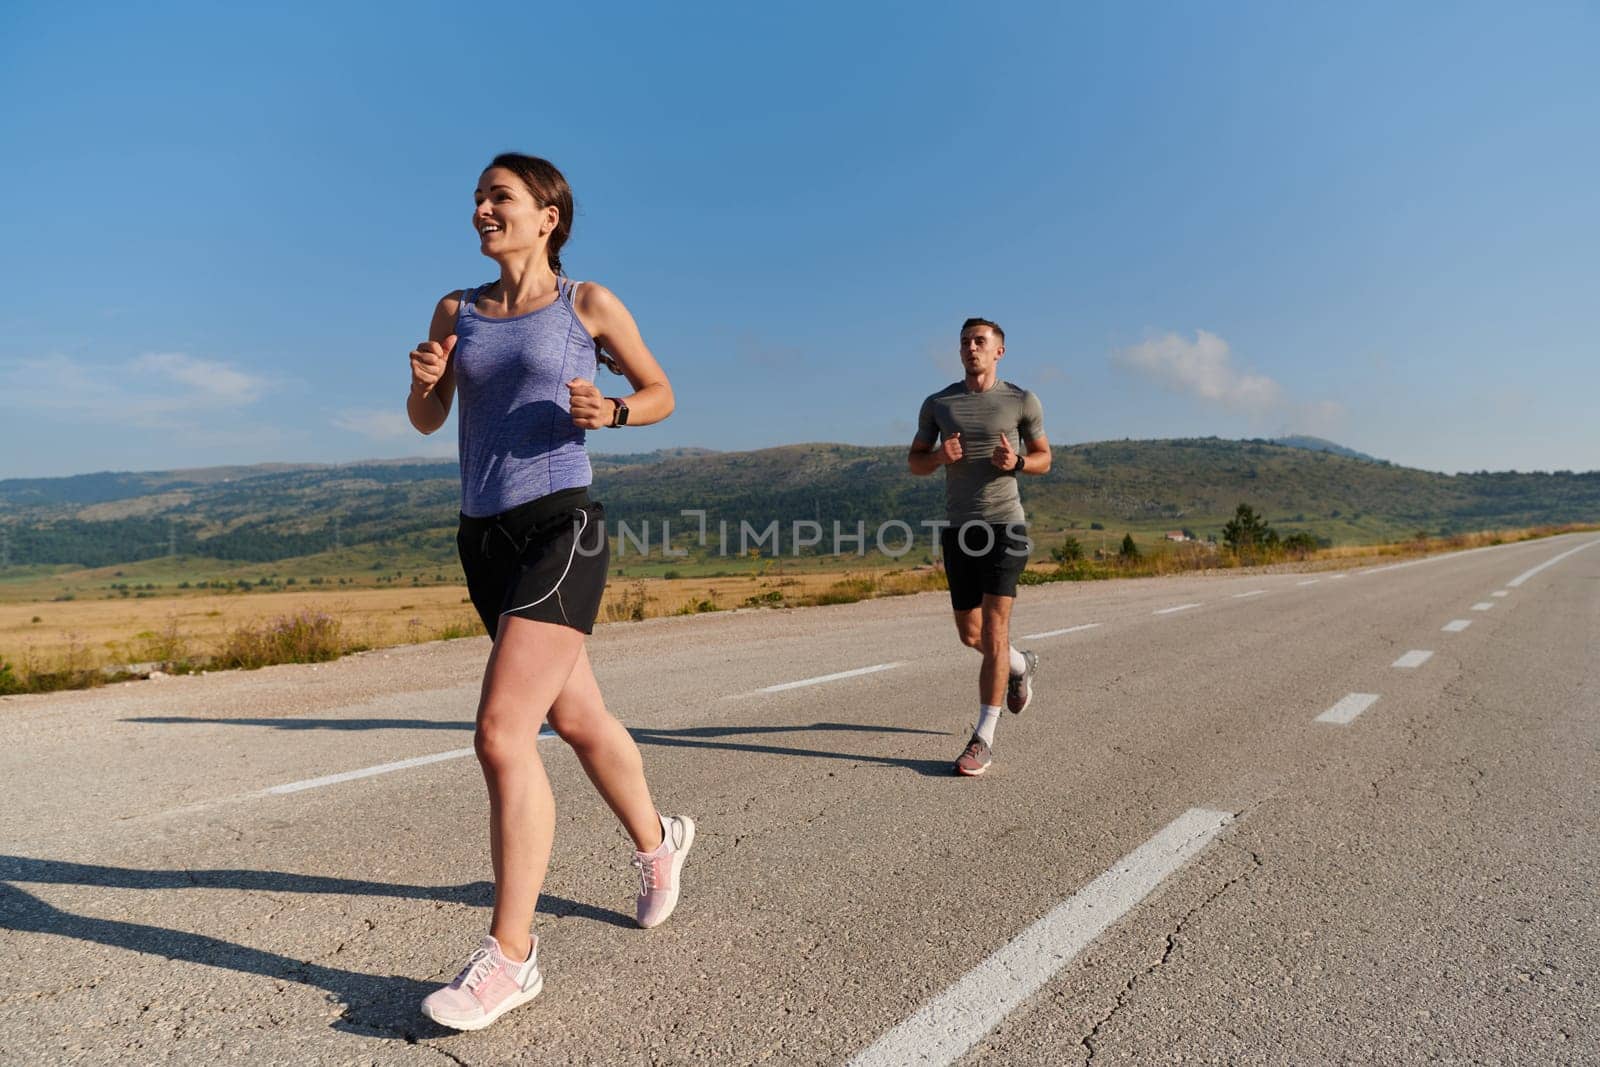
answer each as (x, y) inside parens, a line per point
(1129, 549)
(1247, 531)
(1068, 551)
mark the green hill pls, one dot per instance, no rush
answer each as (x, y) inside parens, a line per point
(384, 511)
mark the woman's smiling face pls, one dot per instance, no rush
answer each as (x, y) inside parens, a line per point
(507, 217)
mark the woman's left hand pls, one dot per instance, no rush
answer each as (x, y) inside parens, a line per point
(590, 410)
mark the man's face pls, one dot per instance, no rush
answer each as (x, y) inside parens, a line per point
(981, 348)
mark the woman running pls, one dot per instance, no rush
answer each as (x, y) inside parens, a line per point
(521, 353)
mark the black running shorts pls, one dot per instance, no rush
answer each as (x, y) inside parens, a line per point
(544, 560)
(980, 558)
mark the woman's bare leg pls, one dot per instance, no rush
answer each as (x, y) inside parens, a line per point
(608, 753)
(530, 664)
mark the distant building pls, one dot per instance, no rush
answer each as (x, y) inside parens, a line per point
(1177, 535)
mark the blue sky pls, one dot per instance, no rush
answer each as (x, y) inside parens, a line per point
(224, 230)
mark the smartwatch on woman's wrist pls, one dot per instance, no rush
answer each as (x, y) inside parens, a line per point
(619, 414)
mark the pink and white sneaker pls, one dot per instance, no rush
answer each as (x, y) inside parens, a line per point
(661, 868)
(487, 987)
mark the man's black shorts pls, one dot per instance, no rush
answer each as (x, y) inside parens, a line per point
(544, 560)
(980, 558)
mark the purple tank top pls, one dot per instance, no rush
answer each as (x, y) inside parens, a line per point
(517, 440)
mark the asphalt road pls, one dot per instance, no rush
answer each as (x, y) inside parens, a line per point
(1171, 860)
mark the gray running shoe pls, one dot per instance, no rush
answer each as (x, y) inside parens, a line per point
(1019, 688)
(976, 759)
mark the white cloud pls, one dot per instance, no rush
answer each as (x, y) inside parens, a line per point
(1204, 368)
(375, 424)
(147, 391)
(205, 379)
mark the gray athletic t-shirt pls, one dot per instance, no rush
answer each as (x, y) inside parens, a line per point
(973, 488)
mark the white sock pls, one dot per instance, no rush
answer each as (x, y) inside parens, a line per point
(988, 717)
(1018, 664)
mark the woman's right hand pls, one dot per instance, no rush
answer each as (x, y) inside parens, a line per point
(428, 363)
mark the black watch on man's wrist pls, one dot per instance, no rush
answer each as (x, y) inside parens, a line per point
(1019, 465)
(619, 415)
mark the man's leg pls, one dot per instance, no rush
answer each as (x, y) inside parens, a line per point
(990, 620)
(1009, 563)
(995, 644)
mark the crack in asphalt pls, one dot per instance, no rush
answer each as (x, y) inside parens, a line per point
(1414, 728)
(1123, 997)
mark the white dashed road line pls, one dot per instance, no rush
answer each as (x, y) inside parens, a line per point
(1455, 626)
(944, 1028)
(1483, 605)
(1058, 633)
(1169, 611)
(368, 772)
(330, 779)
(858, 672)
(1499, 592)
(1414, 658)
(1345, 712)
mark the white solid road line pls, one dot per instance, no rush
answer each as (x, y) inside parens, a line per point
(1455, 626)
(1169, 611)
(1331, 577)
(944, 1028)
(1345, 712)
(1414, 658)
(1058, 633)
(874, 669)
(1483, 605)
(1253, 592)
(1525, 575)
(1436, 559)
(1309, 581)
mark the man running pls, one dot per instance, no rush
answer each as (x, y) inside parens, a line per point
(980, 425)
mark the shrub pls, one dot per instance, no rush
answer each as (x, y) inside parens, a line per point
(1301, 544)
(631, 606)
(9, 681)
(846, 591)
(169, 650)
(306, 637)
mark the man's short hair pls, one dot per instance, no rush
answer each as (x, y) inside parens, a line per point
(995, 326)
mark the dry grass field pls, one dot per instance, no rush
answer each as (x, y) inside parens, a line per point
(100, 633)
(68, 643)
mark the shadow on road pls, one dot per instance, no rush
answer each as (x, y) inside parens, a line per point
(376, 1005)
(309, 724)
(382, 1005)
(693, 737)
(704, 737)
